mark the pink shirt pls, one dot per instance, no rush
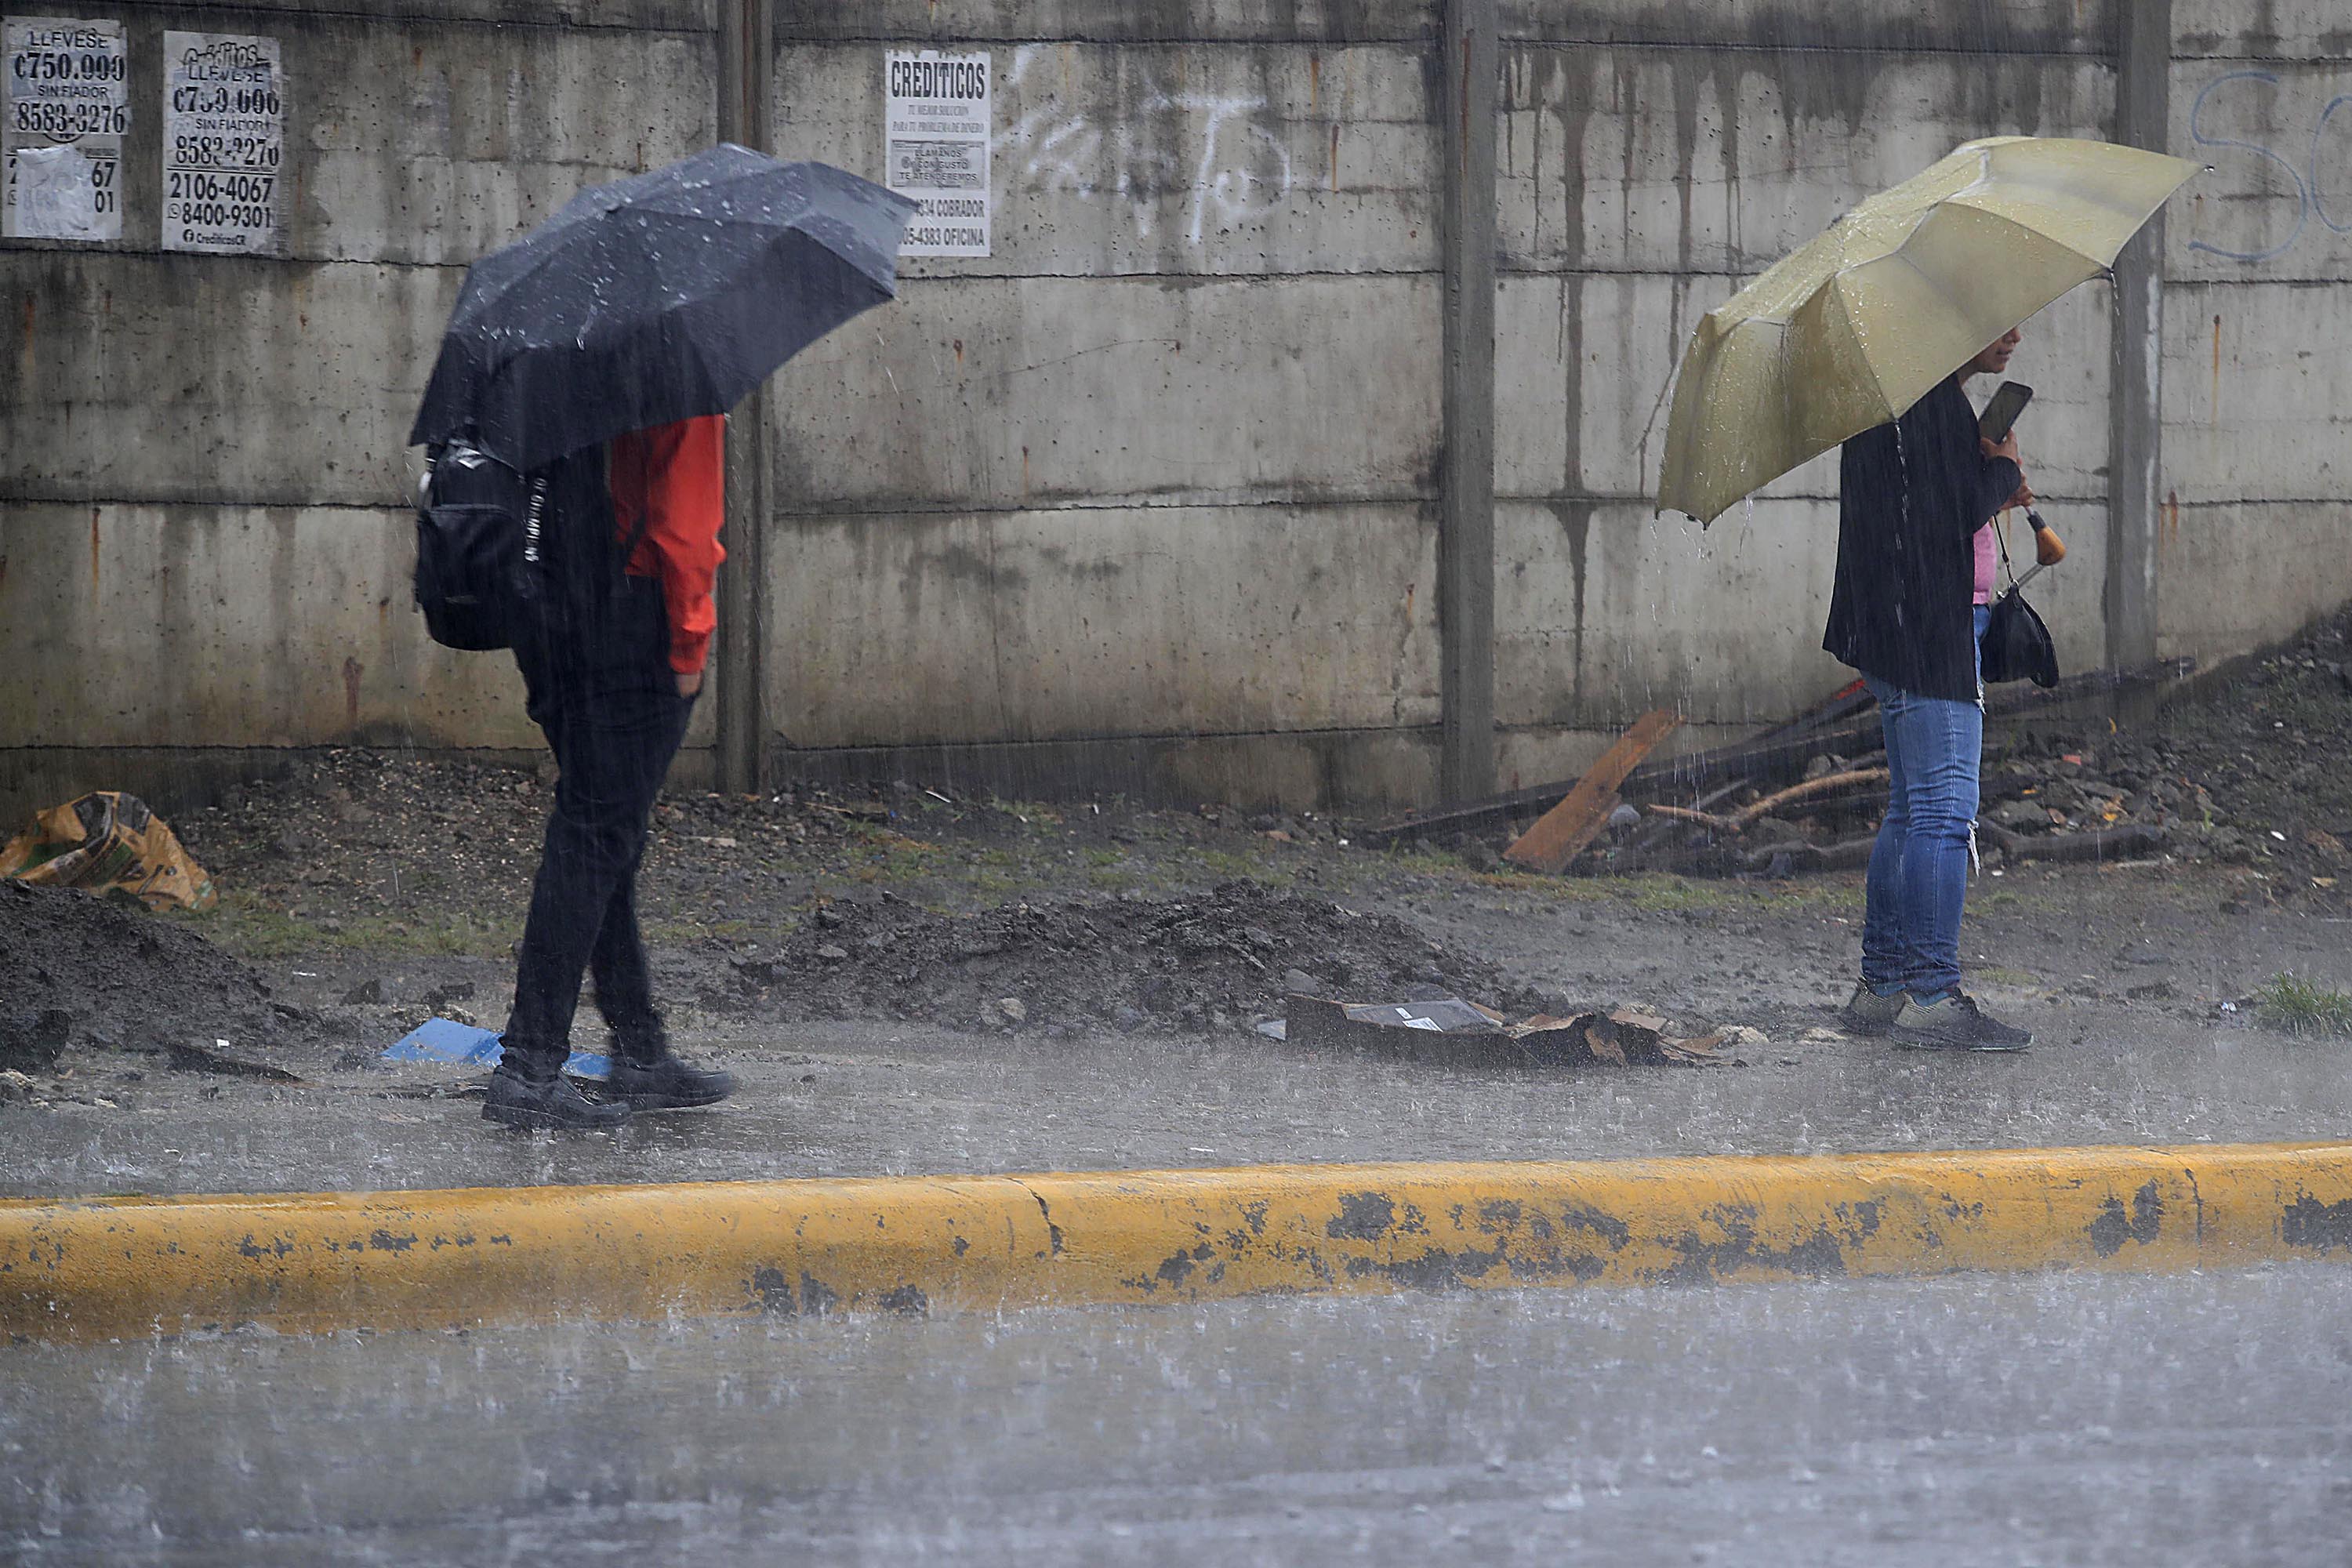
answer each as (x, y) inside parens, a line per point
(1984, 565)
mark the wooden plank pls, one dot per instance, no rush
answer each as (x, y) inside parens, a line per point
(1561, 835)
(1693, 770)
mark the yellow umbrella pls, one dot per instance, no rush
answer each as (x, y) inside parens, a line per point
(1853, 329)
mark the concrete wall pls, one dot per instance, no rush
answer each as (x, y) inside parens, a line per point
(2257, 466)
(205, 550)
(1150, 498)
(1161, 467)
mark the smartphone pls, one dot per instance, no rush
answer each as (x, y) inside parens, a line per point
(2001, 413)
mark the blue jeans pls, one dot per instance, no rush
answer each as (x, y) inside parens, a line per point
(1919, 879)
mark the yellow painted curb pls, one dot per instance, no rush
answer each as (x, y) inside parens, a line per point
(108, 1268)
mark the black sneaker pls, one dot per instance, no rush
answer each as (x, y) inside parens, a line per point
(1867, 1013)
(1954, 1023)
(514, 1100)
(669, 1083)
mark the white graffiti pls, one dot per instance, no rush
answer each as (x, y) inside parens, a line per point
(1240, 170)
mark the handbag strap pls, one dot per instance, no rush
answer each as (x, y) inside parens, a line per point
(2000, 538)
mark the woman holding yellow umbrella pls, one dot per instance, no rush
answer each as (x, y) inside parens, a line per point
(1863, 337)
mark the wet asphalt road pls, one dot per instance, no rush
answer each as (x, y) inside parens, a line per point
(837, 1100)
(2085, 1419)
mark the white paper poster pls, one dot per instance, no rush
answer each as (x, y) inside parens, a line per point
(224, 138)
(65, 103)
(936, 111)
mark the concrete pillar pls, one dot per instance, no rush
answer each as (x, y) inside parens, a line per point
(1465, 551)
(2135, 398)
(746, 74)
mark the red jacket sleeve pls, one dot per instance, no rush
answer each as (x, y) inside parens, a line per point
(675, 478)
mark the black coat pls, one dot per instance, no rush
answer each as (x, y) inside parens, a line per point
(1911, 495)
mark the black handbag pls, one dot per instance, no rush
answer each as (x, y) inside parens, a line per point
(2016, 646)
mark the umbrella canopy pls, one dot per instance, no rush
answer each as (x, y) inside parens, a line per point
(657, 297)
(1853, 329)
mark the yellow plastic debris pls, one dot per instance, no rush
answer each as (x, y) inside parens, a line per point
(107, 842)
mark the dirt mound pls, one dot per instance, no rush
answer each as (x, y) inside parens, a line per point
(84, 970)
(1221, 960)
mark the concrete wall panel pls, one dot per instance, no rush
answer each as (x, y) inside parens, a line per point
(1772, 27)
(1699, 160)
(1014, 391)
(195, 626)
(214, 379)
(147, 626)
(1602, 612)
(2238, 575)
(438, 146)
(1167, 159)
(2275, 29)
(1032, 626)
(622, 16)
(2257, 394)
(940, 23)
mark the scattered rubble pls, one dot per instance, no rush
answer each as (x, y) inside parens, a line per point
(2249, 769)
(1450, 1030)
(1217, 961)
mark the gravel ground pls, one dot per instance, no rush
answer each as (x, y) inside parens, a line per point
(363, 890)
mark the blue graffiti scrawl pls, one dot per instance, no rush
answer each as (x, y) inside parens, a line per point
(2308, 183)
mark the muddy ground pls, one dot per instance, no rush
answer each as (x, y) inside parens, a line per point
(363, 890)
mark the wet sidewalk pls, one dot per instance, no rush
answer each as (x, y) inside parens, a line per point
(850, 1099)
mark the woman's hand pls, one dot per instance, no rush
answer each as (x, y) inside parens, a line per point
(688, 684)
(2007, 447)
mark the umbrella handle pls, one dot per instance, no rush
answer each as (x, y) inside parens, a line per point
(2048, 548)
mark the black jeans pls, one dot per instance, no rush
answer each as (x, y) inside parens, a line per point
(604, 694)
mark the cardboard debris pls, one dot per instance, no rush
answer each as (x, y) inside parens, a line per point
(465, 1045)
(108, 842)
(1451, 1029)
(188, 1057)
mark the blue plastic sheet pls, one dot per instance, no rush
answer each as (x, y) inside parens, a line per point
(465, 1045)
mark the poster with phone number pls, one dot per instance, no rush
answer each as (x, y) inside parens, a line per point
(65, 105)
(224, 140)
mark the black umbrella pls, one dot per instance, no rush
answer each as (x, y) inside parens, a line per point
(657, 297)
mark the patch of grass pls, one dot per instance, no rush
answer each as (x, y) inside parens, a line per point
(1032, 814)
(2023, 980)
(1224, 865)
(256, 931)
(2297, 1006)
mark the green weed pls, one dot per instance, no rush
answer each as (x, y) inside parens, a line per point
(2296, 1006)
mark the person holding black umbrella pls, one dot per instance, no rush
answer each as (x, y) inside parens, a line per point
(591, 364)
(612, 683)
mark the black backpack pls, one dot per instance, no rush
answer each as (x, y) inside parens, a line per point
(481, 536)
